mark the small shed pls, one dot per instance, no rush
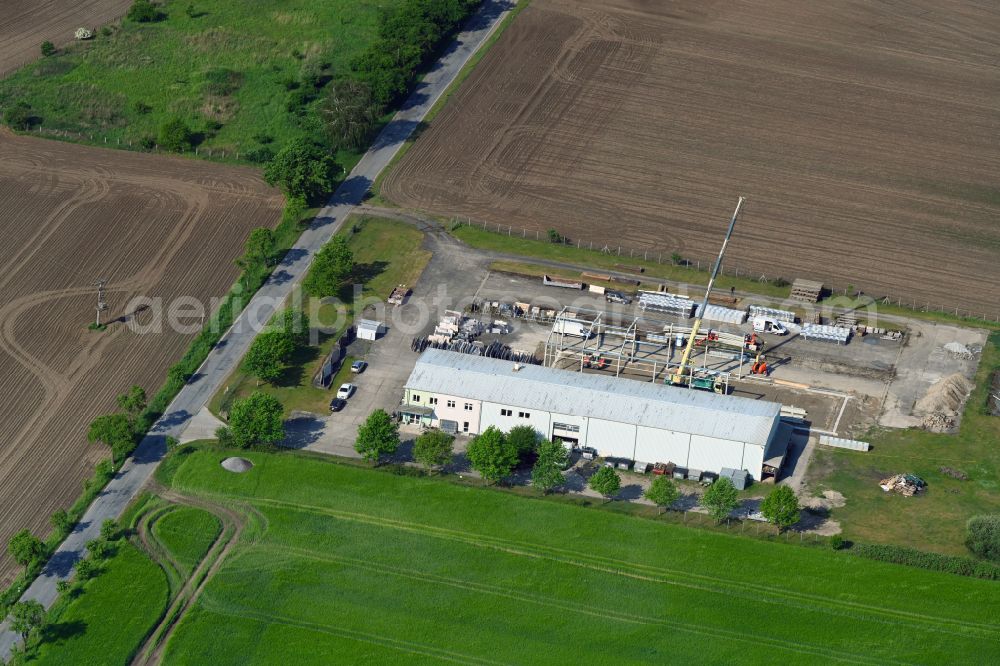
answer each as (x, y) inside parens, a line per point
(369, 329)
(740, 477)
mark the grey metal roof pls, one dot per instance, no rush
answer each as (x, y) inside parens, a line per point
(369, 324)
(596, 396)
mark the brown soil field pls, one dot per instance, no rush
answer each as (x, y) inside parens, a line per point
(865, 136)
(25, 24)
(159, 227)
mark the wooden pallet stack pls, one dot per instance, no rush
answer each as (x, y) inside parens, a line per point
(807, 291)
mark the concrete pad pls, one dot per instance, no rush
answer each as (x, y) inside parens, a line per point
(201, 426)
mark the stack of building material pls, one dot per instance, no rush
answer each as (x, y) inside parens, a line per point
(806, 290)
(840, 443)
(666, 303)
(771, 313)
(824, 333)
(907, 485)
(722, 315)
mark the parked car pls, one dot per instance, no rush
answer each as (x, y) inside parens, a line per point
(612, 296)
(346, 391)
(337, 404)
(359, 366)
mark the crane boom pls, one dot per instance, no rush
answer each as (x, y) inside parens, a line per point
(678, 377)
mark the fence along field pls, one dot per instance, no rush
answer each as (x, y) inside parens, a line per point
(153, 226)
(862, 136)
(25, 24)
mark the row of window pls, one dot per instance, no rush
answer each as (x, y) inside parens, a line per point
(433, 401)
(510, 412)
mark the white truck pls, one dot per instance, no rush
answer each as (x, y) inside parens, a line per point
(768, 325)
(575, 328)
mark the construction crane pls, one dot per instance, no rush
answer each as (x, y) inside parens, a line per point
(679, 378)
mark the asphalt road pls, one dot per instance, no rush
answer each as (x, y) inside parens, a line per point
(228, 352)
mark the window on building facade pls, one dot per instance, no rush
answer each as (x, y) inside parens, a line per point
(415, 397)
(451, 403)
(465, 426)
(524, 415)
(506, 412)
(468, 406)
(432, 401)
(568, 427)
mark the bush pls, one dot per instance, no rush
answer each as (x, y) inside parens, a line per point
(175, 135)
(141, 107)
(144, 11)
(259, 155)
(837, 542)
(555, 236)
(18, 116)
(781, 282)
(48, 48)
(963, 566)
(983, 536)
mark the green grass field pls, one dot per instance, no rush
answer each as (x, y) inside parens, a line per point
(354, 565)
(934, 520)
(109, 620)
(231, 63)
(386, 253)
(187, 532)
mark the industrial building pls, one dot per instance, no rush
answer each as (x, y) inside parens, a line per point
(620, 418)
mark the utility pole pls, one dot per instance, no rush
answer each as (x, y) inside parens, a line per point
(102, 304)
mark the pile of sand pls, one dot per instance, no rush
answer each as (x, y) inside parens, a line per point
(237, 465)
(945, 396)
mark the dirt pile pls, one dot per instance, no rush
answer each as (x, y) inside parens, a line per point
(237, 465)
(946, 396)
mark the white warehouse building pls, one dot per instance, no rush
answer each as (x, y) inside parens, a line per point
(620, 418)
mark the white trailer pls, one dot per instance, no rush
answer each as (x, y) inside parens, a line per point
(577, 329)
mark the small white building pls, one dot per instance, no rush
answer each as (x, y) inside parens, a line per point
(369, 329)
(620, 418)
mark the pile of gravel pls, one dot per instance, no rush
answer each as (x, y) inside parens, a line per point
(237, 465)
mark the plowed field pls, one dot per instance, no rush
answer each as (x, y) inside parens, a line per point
(153, 226)
(865, 135)
(25, 24)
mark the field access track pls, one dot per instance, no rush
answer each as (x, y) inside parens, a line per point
(153, 226)
(865, 137)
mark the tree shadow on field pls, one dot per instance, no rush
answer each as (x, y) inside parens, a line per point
(295, 371)
(59, 632)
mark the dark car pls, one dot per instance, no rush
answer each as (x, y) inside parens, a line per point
(358, 366)
(612, 296)
(337, 404)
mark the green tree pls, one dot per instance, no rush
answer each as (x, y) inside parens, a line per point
(982, 536)
(144, 11)
(720, 499)
(294, 322)
(114, 431)
(133, 403)
(662, 492)
(492, 455)
(433, 449)
(25, 617)
(86, 569)
(378, 436)
(781, 507)
(257, 251)
(18, 115)
(348, 114)
(191, 11)
(48, 49)
(268, 355)
(25, 547)
(175, 135)
(547, 473)
(606, 482)
(302, 168)
(61, 521)
(524, 439)
(331, 267)
(255, 420)
(99, 549)
(109, 530)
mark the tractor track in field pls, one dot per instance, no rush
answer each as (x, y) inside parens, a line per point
(233, 524)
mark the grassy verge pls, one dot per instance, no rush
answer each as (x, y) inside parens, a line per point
(934, 520)
(386, 253)
(565, 581)
(105, 621)
(375, 197)
(188, 533)
(540, 249)
(240, 79)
